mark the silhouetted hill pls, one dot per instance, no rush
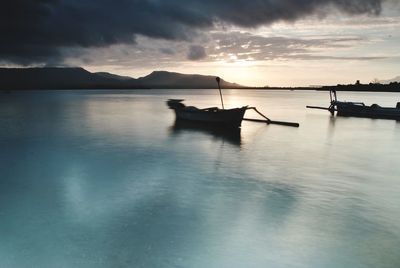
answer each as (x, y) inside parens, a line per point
(163, 79)
(58, 78)
(79, 78)
(113, 76)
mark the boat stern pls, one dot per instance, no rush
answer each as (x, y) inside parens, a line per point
(175, 104)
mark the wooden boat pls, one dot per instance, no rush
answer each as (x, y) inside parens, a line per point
(215, 117)
(359, 109)
(231, 118)
(362, 110)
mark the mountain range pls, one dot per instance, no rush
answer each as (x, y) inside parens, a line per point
(79, 78)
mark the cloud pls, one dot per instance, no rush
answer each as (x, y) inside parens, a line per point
(231, 46)
(243, 46)
(167, 51)
(196, 52)
(43, 31)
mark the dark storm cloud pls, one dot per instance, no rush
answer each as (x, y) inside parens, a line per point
(40, 30)
(196, 53)
(167, 51)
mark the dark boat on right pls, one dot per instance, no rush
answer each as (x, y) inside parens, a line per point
(359, 109)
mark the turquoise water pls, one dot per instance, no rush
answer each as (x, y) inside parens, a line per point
(104, 179)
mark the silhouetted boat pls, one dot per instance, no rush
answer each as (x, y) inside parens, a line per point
(215, 117)
(359, 109)
(225, 118)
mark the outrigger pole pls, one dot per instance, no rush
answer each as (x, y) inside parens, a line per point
(220, 92)
(331, 108)
(267, 120)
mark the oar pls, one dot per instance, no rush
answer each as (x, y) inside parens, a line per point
(289, 124)
(269, 121)
(318, 107)
(331, 108)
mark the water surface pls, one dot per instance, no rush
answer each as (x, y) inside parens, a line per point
(105, 179)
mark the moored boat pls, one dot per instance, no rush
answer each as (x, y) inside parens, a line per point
(359, 109)
(216, 117)
(231, 118)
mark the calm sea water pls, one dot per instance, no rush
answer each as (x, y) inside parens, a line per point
(104, 179)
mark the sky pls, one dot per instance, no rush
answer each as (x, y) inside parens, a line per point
(254, 43)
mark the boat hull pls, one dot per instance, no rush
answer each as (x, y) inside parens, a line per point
(223, 118)
(217, 117)
(373, 111)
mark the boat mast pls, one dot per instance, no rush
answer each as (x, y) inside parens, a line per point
(220, 92)
(333, 97)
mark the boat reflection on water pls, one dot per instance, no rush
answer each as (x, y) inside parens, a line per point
(231, 135)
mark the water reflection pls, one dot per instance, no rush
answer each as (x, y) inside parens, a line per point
(90, 181)
(232, 136)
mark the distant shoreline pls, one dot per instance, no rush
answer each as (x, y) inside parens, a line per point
(349, 89)
(53, 78)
